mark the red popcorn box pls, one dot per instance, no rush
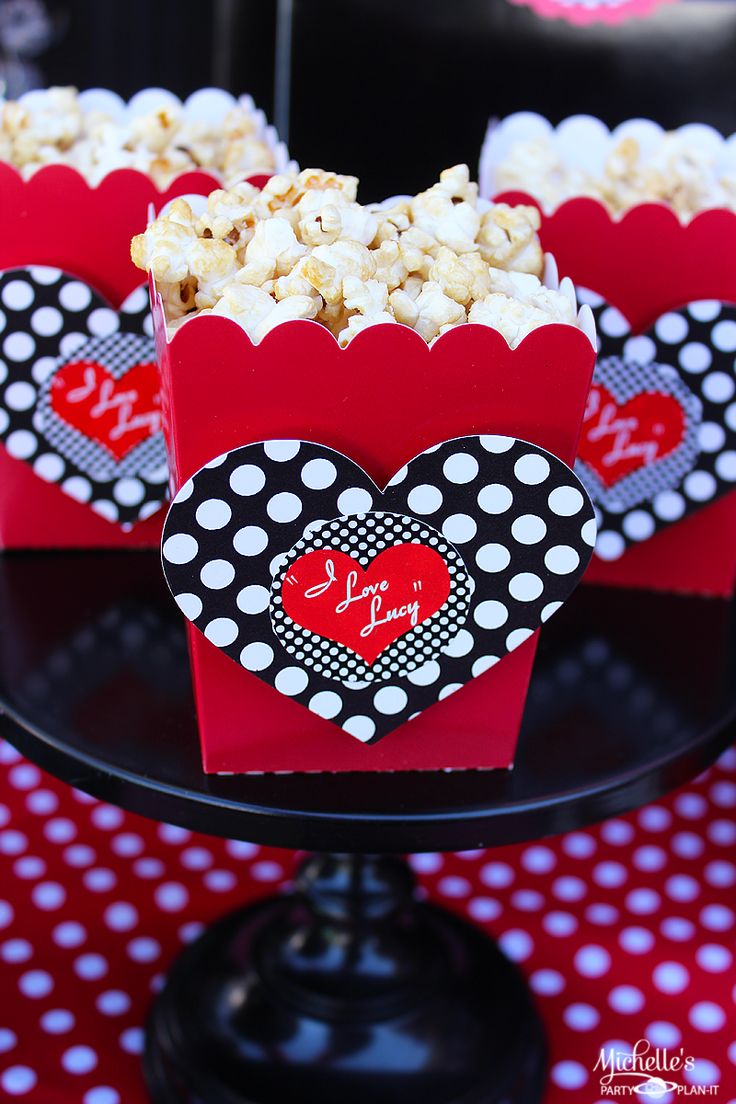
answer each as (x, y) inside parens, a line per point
(295, 462)
(658, 447)
(82, 455)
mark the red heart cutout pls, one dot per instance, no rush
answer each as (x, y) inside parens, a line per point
(116, 413)
(366, 609)
(619, 438)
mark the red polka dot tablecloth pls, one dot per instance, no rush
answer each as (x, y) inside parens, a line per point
(625, 930)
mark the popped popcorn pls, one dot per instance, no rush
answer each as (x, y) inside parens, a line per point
(303, 247)
(55, 128)
(675, 170)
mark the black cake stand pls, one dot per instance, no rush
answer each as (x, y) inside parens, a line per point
(347, 990)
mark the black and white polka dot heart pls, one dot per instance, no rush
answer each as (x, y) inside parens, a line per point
(369, 606)
(659, 437)
(79, 396)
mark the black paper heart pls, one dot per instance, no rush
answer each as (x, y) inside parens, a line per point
(687, 355)
(510, 524)
(52, 322)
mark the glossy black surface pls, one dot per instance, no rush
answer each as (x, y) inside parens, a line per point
(345, 991)
(632, 694)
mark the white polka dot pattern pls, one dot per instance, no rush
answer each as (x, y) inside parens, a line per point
(511, 522)
(603, 973)
(689, 356)
(53, 322)
(364, 537)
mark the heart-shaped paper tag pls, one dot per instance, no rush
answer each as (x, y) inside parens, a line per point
(368, 606)
(117, 413)
(80, 399)
(659, 434)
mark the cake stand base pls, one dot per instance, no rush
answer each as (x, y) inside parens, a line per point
(346, 991)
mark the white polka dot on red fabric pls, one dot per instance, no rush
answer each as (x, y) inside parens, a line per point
(8, 1040)
(692, 806)
(16, 950)
(60, 830)
(560, 924)
(525, 900)
(36, 984)
(91, 967)
(516, 944)
(42, 802)
(79, 855)
(717, 918)
(220, 881)
(100, 879)
(649, 858)
(57, 1021)
(538, 859)
(484, 909)
(18, 1080)
(127, 844)
(677, 928)
(148, 868)
(454, 886)
(266, 871)
(132, 1040)
(569, 888)
(581, 1017)
(670, 978)
(643, 901)
(663, 1034)
(79, 1059)
(569, 1075)
(497, 875)
(547, 983)
(196, 858)
(29, 867)
(101, 1094)
(191, 931)
(601, 913)
(635, 940)
(107, 817)
(578, 845)
(707, 1016)
(171, 896)
(714, 958)
(113, 1002)
(610, 874)
(12, 842)
(703, 1072)
(144, 949)
(617, 832)
(48, 896)
(626, 999)
(654, 818)
(592, 961)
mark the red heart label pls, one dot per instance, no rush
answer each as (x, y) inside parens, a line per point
(618, 439)
(116, 413)
(366, 609)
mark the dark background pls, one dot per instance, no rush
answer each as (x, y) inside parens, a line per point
(394, 90)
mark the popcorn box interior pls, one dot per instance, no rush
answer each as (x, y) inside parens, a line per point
(82, 456)
(294, 457)
(658, 448)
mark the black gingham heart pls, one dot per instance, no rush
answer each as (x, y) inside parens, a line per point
(689, 353)
(49, 319)
(512, 523)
